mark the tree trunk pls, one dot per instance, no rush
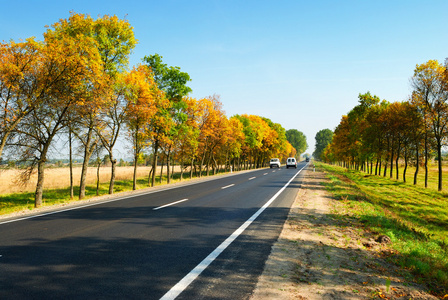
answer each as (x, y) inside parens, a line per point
(161, 168)
(168, 158)
(88, 149)
(379, 168)
(134, 179)
(417, 167)
(181, 168)
(405, 165)
(41, 171)
(392, 164)
(154, 163)
(98, 178)
(426, 159)
(439, 154)
(376, 167)
(40, 183)
(70, 163)
(112, 174)
(149, 175)
(215, 165)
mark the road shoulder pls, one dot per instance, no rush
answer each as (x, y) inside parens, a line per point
(323, 254)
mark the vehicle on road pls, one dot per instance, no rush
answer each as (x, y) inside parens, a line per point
(307, 159)
(291, 162)
(274, 163)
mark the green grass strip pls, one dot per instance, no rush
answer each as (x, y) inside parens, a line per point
(415, 218)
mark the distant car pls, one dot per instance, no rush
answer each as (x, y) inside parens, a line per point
(307, 159)
(291, 162)
(275, 162)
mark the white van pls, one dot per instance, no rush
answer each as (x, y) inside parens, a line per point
(291, 162)
(275, 162)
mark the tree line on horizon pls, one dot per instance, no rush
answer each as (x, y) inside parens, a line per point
(377, 134)
(76, 85)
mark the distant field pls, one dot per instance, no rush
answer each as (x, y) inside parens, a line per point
(59, 178)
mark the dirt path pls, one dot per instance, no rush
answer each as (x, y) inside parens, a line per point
(322, 254)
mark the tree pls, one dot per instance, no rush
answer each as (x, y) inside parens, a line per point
(323, 138)
(67, 64)
(173, 82)
(186, 144)
(114, 40)
(428, 82)
(110, 122)
(140, 93)
(22, 88)
(297, 139)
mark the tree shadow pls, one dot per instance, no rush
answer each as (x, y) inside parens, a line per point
(129, 252)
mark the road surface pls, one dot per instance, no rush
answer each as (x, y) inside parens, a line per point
(207, 240)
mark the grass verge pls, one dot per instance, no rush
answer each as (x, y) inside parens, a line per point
(17, 202)
(415, 218)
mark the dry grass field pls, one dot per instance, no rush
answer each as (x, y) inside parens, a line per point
(56, 178)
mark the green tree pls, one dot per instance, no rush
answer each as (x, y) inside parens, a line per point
(298, 140)
(323, 138)
(173, 82)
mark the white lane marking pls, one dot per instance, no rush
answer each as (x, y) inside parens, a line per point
(227, 186)
(119, 198)
(265, 174)
(169, 204)
(252, 178)
(190, 277)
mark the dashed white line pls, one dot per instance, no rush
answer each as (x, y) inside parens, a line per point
(265, 174)
(169, 204)
(227, 186)
(252, 178)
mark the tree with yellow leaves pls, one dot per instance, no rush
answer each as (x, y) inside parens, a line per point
(429, 82)
(22, 88)
(140, 92)
(67, 64)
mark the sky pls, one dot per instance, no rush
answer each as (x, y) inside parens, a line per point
(301, 64)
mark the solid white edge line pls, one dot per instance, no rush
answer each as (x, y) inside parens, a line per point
(227, 186)
(64, 210)
(169, 204)
(190, 277)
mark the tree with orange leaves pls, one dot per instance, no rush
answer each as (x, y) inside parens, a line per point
(141, 93)
(68, 67)
(21, 86)
(214, 130)
(186, 144)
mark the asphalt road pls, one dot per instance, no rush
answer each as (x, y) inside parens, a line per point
(207, 240)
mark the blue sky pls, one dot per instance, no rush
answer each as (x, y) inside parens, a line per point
(300, 63)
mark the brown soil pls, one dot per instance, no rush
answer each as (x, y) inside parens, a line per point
(323, 254)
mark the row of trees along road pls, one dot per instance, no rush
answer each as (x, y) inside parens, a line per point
(76, 85)
(381, 133)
